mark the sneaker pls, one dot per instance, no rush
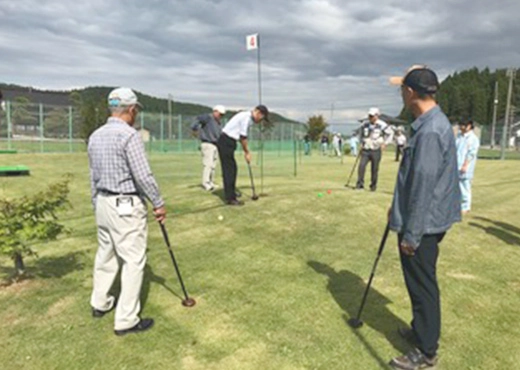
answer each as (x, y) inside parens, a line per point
(409, 335)
(234, 202)
(414, 360)
(99, 313)
(142, 325)
(238, 194)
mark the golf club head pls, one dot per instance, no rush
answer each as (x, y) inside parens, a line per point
(254, 197)
(188, 302)
(355, 323)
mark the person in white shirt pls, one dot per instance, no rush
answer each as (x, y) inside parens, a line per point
(336, 140)
(236, 130)
(400, 143)
(375, 135)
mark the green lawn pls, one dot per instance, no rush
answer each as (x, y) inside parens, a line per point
(275, 280)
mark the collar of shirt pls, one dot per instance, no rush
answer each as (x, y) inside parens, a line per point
(115, 120)
(417, 124)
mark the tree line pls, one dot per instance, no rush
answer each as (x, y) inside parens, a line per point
(470, 94)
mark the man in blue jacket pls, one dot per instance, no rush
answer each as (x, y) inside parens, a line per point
(426, 203)
(208, 128)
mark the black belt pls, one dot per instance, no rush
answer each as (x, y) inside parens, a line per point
(111, 193)
(209, 142)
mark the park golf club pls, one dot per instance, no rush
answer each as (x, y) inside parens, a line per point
(187, 301)
(254, 196)
(356, 322)
(353, 168)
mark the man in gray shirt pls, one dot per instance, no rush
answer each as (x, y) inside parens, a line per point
(426, 203)
(120, 180)
(208, 128)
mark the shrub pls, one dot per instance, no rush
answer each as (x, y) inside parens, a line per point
(30, 219)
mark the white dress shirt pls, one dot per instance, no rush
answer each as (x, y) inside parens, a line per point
(238, 125)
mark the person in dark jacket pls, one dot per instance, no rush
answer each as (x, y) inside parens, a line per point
(426, 203)
(208, 128)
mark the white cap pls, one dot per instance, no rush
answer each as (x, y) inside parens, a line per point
(374, 111)
(122, 97)
(220, 108)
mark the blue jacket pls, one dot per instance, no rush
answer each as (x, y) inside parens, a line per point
(467, 149)
(427, 195)
(208, 127)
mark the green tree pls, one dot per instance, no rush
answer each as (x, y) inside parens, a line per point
(29, 220)
(316, 125)
(93, 114)
(56, 123)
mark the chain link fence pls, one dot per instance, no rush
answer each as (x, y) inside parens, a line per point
(27, 127)
(38, 128)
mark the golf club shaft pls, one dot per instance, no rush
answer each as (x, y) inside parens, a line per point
(167, 240)
(379, 252)
(251, 177)
(353, 168)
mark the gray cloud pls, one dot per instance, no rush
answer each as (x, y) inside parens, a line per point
(315, 53)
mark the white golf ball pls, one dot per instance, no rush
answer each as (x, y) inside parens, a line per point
(220, 218)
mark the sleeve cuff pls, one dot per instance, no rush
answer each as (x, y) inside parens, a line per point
(411, 240)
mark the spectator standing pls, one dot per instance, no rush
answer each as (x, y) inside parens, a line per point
(324, 144)
(307, 144)
(208, 128)
(400, 142)
(425, 205)
(375, 135)
(354, 142)
(467, 150)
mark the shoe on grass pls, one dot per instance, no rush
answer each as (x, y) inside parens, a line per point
(142, 325)
(414, 360)
(234, 202)
(99, 313)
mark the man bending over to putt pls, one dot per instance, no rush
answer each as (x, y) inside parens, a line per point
(236, 130)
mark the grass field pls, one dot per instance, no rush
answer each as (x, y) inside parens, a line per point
(275, 280)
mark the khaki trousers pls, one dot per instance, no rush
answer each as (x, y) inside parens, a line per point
(209, 162)
(121, 241)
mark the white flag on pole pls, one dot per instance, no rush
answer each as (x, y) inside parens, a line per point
(252, 42)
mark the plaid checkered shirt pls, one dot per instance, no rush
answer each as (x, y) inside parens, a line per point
(118, 162)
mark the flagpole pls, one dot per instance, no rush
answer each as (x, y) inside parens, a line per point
(259, 71)
(259, 64)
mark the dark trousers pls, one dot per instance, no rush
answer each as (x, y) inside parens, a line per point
(226, 151)
(398, 152)
(420, 275)
(374, 157)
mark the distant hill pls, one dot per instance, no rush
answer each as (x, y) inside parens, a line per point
(98, 93)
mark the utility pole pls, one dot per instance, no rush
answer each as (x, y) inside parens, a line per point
(511, 75)
(493, 126)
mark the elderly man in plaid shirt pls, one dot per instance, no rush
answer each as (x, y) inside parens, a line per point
(120, 180)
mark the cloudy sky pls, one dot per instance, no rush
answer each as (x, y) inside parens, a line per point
(327, 57)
